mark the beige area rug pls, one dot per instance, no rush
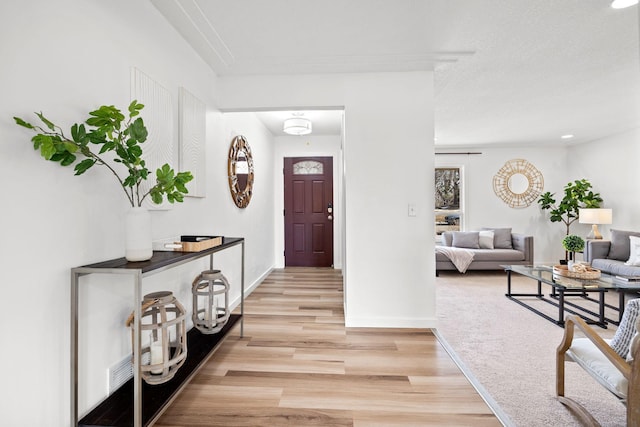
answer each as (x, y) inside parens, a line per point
(511, 350)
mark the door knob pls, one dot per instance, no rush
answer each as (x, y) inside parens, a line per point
(330, 217)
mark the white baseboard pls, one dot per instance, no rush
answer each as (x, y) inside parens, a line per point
(248, 289)
(391, 322)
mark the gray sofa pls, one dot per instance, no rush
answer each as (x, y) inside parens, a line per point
(509, 248)
(609, 256)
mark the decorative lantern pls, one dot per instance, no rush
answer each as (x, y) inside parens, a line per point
(164, 337)
(210, 313)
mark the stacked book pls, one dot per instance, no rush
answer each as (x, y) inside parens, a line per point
(628, 278)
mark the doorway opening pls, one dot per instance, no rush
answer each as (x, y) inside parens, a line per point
(326, 140)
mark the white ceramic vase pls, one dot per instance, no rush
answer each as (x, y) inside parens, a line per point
(138, 235)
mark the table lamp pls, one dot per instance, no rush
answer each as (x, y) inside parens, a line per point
(595, 217)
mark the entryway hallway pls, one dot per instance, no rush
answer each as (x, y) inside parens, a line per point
(297, 365)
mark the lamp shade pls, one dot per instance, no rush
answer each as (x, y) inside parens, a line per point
(297, 126)
(621, 4)
(595, 216)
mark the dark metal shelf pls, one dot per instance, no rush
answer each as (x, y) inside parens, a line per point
(162, 259)
(117, 409)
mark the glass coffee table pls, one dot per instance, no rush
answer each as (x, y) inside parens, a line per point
(593, 290)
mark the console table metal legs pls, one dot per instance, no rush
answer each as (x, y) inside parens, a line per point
(137, 383)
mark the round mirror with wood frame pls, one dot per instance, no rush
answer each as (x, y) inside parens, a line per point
(240, 171)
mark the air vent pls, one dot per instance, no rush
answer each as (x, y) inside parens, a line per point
(120, 374)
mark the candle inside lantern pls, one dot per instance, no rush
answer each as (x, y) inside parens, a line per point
(156, 355)
(211, 311)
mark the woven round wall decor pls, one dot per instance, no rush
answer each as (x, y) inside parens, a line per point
(518, 183)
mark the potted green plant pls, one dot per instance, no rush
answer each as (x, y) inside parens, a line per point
(110, 131)
(572, 244)
(577, 194)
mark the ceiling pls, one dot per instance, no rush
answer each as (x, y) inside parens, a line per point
(506, 71)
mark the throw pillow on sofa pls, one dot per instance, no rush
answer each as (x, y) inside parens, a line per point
(465, 239)
(501, 237)
(485, 239)
(620, 245)
(634, 251)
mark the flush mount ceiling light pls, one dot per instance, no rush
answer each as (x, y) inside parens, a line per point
(621, 4)
(297, 126)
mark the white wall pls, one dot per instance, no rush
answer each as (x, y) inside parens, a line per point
(388, 157)
(253, 222)
(611, 164)
(307, 146)
(66, 58)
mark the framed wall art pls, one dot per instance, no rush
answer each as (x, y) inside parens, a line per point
(192, 141)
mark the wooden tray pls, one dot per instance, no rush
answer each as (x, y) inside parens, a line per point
(197, 243)
(563, 270)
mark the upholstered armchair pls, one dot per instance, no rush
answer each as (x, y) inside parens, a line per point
(613, 363)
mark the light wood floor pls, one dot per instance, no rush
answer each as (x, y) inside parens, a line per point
(297, 365)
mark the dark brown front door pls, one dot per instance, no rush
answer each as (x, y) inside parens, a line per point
(308, 211)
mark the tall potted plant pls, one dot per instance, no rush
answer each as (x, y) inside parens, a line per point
(577, 194)
(110, 131)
